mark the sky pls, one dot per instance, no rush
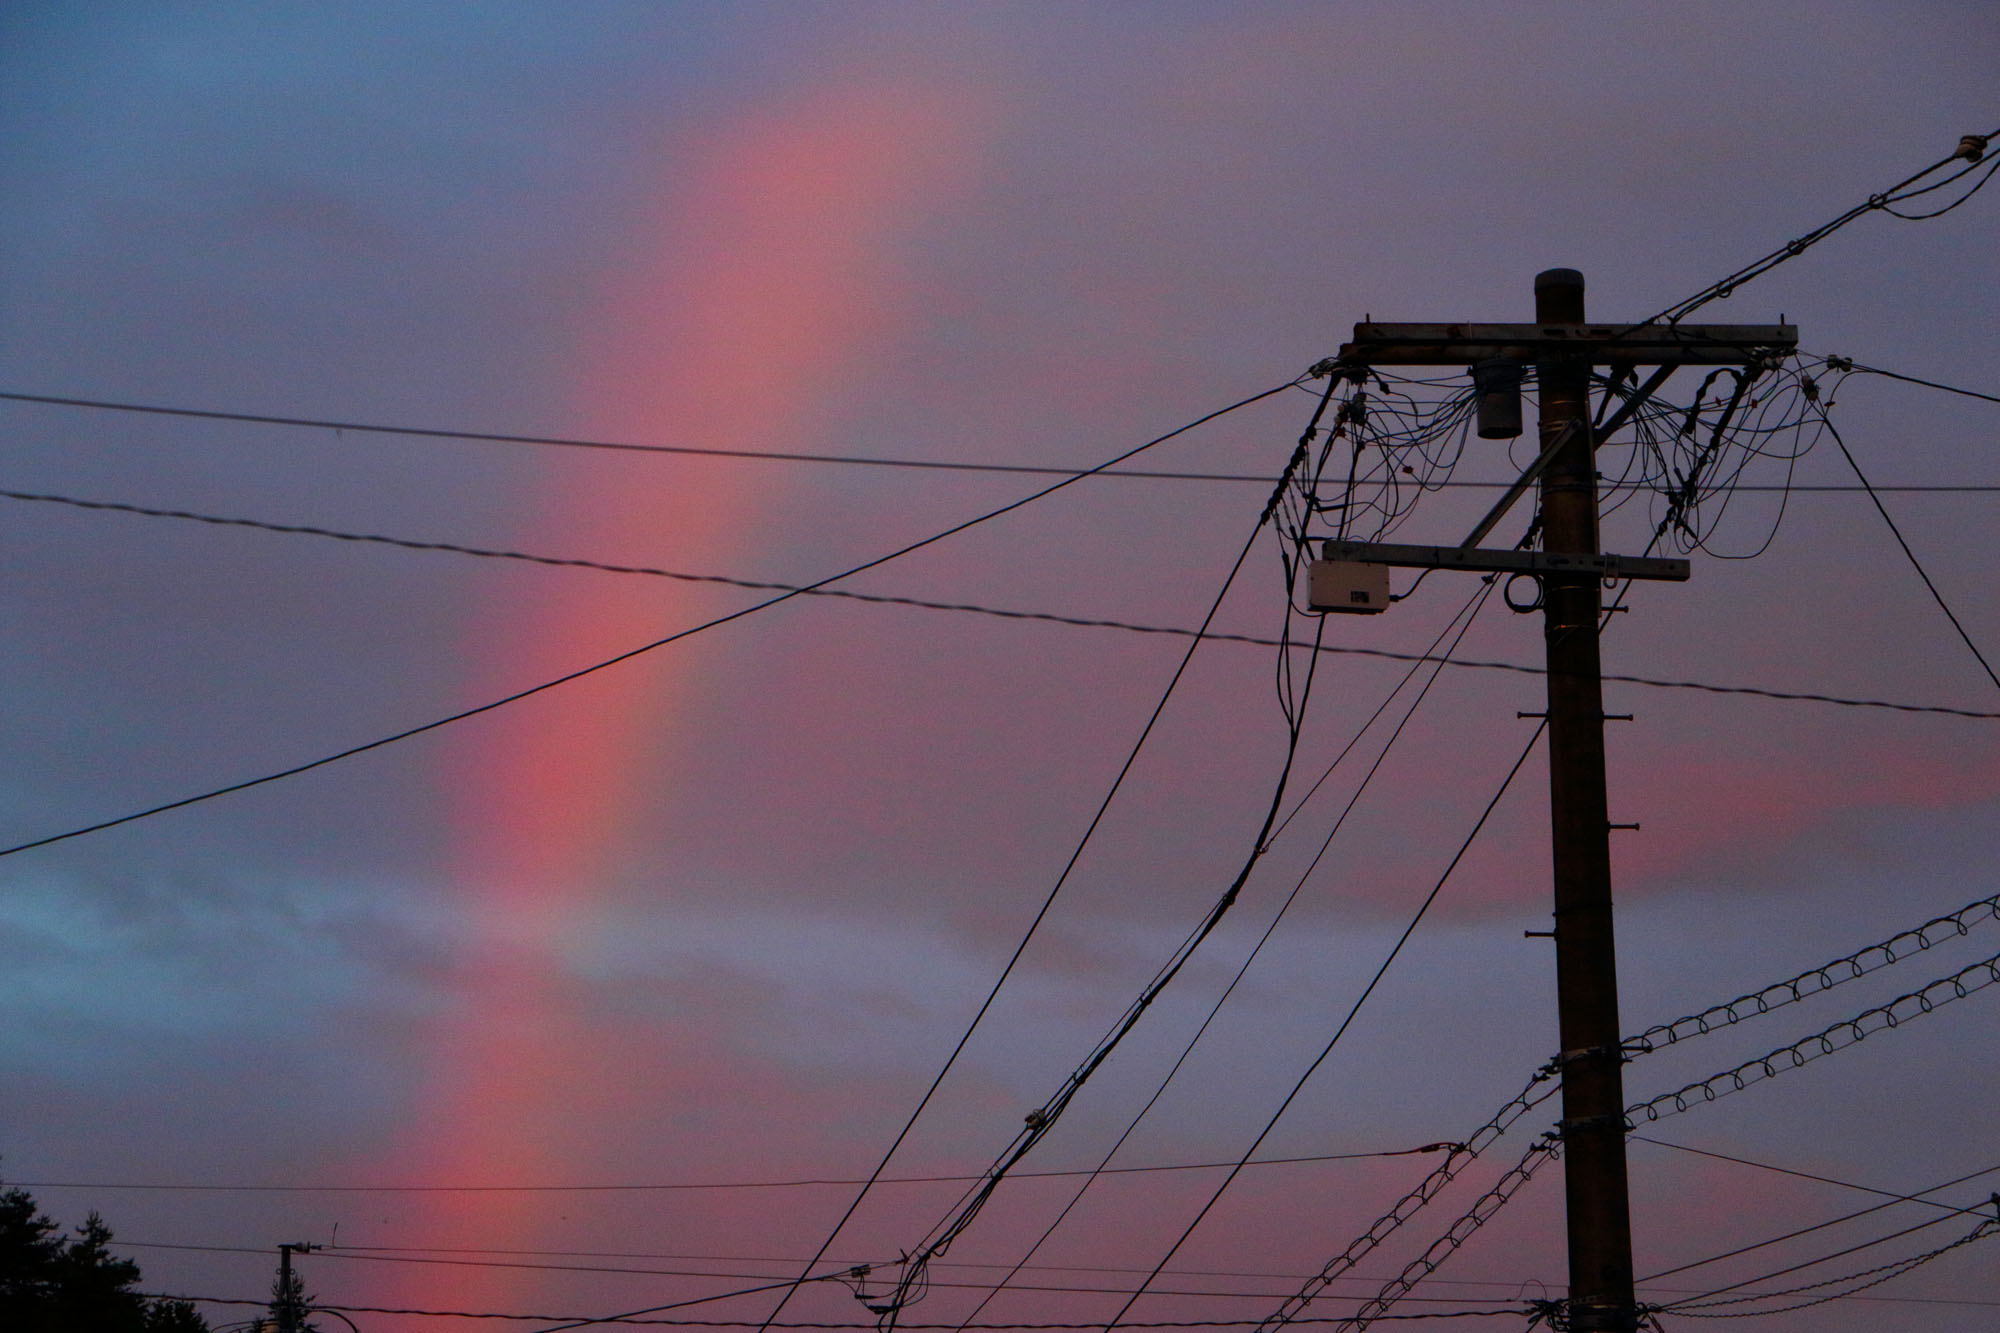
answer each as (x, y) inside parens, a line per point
(478, 1011)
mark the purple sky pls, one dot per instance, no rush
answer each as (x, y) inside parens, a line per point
(718, 915)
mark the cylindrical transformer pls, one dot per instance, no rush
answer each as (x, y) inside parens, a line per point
(1498, 386)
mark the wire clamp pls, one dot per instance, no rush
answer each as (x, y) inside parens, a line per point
(1565, 1128)
(1583, 1053)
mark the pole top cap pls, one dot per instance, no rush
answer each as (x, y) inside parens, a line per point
(1559, 296)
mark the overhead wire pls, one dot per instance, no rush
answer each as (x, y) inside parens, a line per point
(1857, 368)
(1707, 1305)
(913, 1278)
(1538, 1153)
(1458, 1157)
(1817, 980)
(1681, 501)
(1901, 541)
(1841, 1036)
(1340, 1031)
(567, 677)
(1829, 975)
(1076, 855)
(815, 1181)
(1971, 148)
(970, 608)
(1890, 1202)
(830, 1327)
(1465, 616)
(340, 427)
(843, 1274)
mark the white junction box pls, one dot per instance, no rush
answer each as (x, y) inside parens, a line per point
(1352, 586)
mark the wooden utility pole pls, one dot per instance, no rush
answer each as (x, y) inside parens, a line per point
(1593, 1084)
(1563, 349)
(288, 1304)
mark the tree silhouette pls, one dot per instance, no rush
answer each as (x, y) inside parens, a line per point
(289, 1306)
(51, 1283)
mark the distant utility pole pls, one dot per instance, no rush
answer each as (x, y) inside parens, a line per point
(289, 1305)
(1571, 569)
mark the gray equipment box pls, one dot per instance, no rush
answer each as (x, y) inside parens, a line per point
(1350, 586)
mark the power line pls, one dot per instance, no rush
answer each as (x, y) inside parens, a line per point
(1703, 1305)
(1897, 533)
(793, 1260)
(573, 442)
(972, 608)
(1462, 621)
(627, 655)
(1411, 1203)
(1813, 981)
(1038, 1122)
(1539, 1154)
(1047, 903)
(1353, 1011)
(1970, 148)
(1890, 1195)
(781, 456)
(915, 1275)
(369, 1254)
(696, 1185)
(1807, 1230)
(1853, 367)
(1511, 1312)
(1842, 1035)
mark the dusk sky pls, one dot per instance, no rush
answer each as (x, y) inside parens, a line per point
(477, 1011)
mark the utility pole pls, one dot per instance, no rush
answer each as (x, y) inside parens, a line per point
(288, 1306)
(1352, 577)
(1592, 1063)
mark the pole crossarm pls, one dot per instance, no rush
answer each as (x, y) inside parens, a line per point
(1494, 561)
(1600, 344)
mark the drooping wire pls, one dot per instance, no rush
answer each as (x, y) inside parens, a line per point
(1855, 367)
(913, 1279)
(564, 679)
(1353, 1011)
(1039, 1122)
(1814, 981)
(1970, 148)
(1842, 1035)
(1458, 1157)
(1069, 866)
(1104, 1165)
(1539, 1153)
(970, 608)
(1709, 1304)
(614, 446)
(1897, 533)
(1891, 1202)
